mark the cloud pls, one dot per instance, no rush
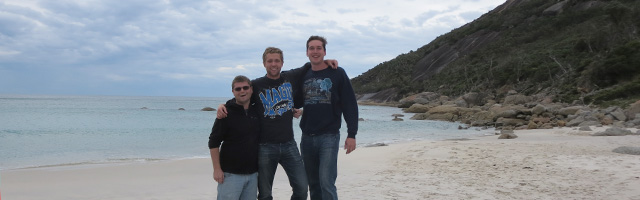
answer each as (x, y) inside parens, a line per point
(116, 77)
(8, 52)
(91, 46)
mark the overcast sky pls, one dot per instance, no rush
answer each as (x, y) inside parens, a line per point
(196, 47)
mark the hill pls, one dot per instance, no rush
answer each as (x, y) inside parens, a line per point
(587, 50)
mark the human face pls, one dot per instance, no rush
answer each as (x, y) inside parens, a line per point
(316, 52)
(242, 96)
(273, 65)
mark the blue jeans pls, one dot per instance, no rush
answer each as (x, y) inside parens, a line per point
(320, 155)
(238, 186)
(287, 154)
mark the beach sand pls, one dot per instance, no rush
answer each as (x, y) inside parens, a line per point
(539, 164)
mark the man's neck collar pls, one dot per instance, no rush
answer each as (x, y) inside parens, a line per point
(276, 78)
(245, 106)
(319, 67)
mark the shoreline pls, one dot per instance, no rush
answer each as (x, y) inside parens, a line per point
(539, 164)
(477, 132)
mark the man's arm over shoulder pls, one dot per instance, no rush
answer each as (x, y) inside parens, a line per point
(296, 73)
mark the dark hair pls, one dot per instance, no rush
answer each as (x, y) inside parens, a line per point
(272, 50)
(239, 79)
(322, 39)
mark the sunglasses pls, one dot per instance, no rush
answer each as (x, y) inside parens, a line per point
(241, 88)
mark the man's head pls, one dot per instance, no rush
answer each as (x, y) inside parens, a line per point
(316, 49)
(242, 90)
(272, 60)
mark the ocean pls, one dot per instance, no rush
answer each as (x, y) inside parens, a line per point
(44, 130)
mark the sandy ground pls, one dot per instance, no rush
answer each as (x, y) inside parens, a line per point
(539, 164)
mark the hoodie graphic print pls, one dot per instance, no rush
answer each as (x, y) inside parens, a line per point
(277, 100)
(317, 91)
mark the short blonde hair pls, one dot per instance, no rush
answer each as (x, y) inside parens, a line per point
(272, 50)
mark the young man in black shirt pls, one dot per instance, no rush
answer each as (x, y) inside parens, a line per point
(233, 145)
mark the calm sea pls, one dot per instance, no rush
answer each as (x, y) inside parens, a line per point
(37, 131)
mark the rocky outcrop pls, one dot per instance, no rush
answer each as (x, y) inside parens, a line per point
(508, 49)
(555, 9)
(517, 112)
(432, 63)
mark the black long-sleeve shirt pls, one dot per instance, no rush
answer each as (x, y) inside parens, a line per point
(237, 137)
(275, 99)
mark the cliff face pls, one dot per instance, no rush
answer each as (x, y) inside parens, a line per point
(571, 49)
(432, 63)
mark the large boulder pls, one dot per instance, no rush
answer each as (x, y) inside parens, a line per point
(607, 120)
(614, 131)
(627, 150)
(439, 116)
(634, 122)
(461, 103)
(482, 115)
(517, 99)
(426, 97)
(444, 109)
(589, 123)
(507, 134)
(474, 99)
(633, 110)
(481, 118)
(576, 121)
(510, 122)
(208, 109)
(617, 113)
(571, 110)
(420, 116)
(541, 120)
(532, 125)
(417, 108)
(538, 109)
(511, 113)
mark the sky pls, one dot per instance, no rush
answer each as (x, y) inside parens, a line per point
(196, 47)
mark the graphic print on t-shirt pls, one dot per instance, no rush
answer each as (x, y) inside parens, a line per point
(277, 101)
(317, 91)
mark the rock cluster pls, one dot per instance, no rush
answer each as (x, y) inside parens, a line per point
(517, 111)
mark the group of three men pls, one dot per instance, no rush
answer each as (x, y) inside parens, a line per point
(253, 132)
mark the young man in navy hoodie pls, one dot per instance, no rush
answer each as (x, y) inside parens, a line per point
(328, 96)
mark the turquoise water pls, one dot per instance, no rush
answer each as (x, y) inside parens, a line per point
(38, 131)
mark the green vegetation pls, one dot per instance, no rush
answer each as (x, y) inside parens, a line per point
(590, 50)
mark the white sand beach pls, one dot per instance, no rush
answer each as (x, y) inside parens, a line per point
(539, 164)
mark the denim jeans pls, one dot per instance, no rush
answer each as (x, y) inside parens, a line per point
(287, 154)
(320, 155)
(238, 186)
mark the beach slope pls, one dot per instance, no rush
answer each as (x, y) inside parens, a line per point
(539, 164)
